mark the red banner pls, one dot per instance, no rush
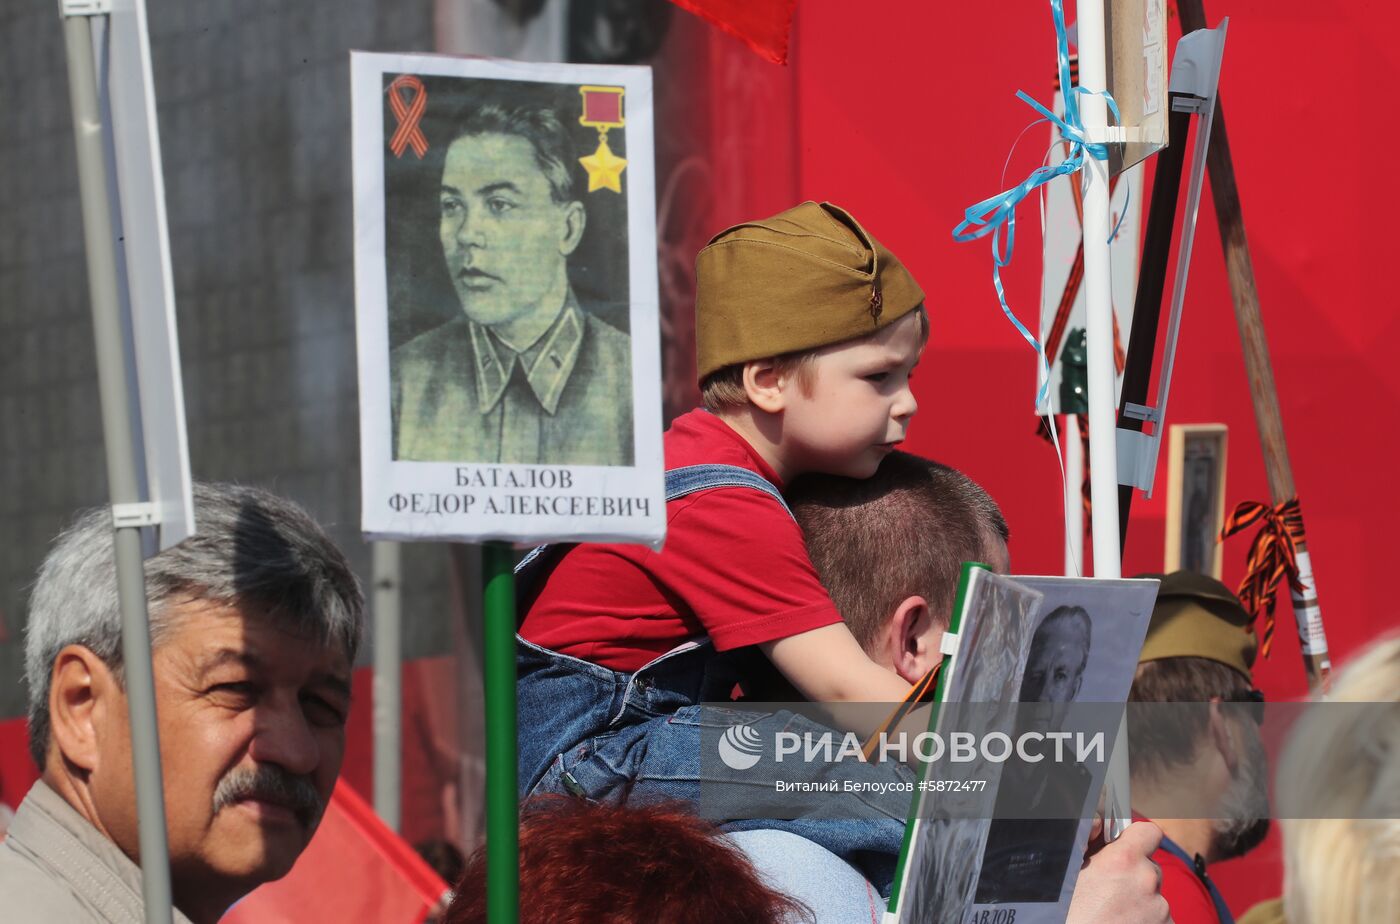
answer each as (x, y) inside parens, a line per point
(356, 871)
(762, 24)
(17, 770)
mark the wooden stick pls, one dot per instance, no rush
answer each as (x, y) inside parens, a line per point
(1240, 269)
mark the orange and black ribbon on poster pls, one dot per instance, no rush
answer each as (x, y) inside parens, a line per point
(920, 693)
(408, 114)
(1273, 554)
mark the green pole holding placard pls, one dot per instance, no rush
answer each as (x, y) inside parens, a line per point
(502, 800)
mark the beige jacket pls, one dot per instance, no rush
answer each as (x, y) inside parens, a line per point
(55, 867)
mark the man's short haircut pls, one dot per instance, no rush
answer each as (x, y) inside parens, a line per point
(537, 124)
(253, 549)
(1170, 739)
(723, 389)
(905, 531)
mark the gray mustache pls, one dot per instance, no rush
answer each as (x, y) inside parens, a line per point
(270, 783)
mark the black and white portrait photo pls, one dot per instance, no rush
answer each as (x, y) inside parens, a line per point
(1026, 857)
(522, 370)
(505, 260)
(982, 677)
(1083, 654)
(1195, 498)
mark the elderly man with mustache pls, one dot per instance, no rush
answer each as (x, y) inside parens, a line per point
(255, 622)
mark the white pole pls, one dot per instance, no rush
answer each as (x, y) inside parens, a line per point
(1074, 485)
(388, 683)
(1103, 451)
(1103, 454)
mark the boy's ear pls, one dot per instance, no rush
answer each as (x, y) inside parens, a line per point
(764, 385)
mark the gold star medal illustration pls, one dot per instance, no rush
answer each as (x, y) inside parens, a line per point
(602, 109)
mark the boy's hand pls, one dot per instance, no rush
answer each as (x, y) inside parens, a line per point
(827, 665)
(1121, 883)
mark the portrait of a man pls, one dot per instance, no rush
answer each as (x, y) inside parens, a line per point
(1195, 498)
(524, 371)
(1038, 804)
(1059, 655)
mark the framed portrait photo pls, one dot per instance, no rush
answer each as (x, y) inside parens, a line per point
(506, 300)
(1195, 497)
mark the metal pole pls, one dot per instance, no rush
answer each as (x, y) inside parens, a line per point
(1103, 450)
(1074, 497)
(1152, 281)
(502, 783)
(122, 479)
(388, 683)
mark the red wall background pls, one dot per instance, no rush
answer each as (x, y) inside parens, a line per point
(906, 111)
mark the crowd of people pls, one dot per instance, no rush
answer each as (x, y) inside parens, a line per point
(807, 559)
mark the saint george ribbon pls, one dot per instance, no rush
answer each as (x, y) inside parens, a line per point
(408, 134)
(922, 692)
(1273, 555)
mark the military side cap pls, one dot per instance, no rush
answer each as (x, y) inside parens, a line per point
(806, 278)
(1198, 617)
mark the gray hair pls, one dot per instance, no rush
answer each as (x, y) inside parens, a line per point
(252, 549)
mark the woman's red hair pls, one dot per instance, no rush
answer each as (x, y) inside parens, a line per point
(598, 864)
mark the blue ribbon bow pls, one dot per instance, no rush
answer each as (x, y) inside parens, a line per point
(990, 215)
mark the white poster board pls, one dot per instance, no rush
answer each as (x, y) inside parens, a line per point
(506, 298)
(146, 289)
(1059, 271)
(1085, 651)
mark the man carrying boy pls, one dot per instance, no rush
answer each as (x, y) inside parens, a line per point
(807, 330)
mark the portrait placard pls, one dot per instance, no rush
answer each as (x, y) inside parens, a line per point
(1195, 498)
(506, 300)
(938, 871)
(1063, 296)
(1084, 651)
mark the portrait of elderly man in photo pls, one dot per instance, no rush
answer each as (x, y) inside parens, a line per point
(524, 373)
(255, 623)
(1037, 810)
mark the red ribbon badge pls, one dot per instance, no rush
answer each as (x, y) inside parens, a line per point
(1272, 556)
(408, 114)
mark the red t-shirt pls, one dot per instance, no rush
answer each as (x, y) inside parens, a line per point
(1187, 897)
(734, 568)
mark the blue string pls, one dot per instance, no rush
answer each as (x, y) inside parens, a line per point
(991, 215)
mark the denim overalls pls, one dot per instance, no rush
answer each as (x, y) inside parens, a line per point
(611, 736)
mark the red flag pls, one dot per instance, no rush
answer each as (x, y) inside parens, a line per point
(355, 871)
(17, 770)
(763, 24)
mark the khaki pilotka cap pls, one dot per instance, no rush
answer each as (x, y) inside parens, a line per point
(1197, 617)
(806, 278)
